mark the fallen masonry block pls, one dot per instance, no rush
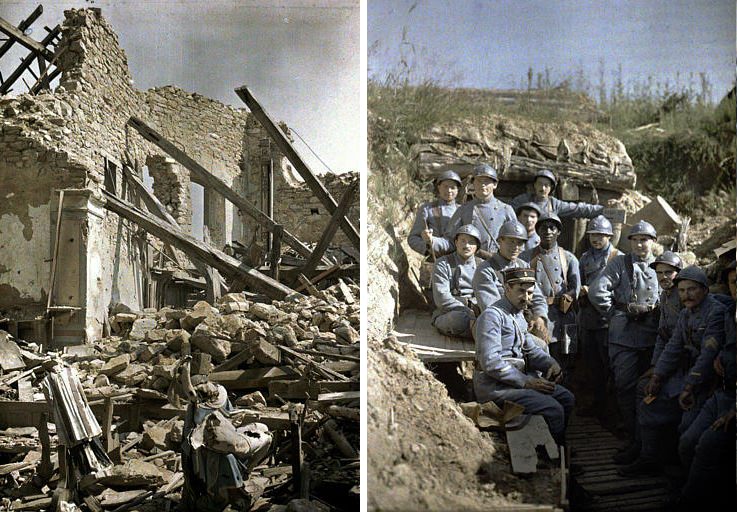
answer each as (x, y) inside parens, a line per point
(135, 473)
(116, 365)
(251, 400)
(253, 377)
(141, 327)
(266, 312)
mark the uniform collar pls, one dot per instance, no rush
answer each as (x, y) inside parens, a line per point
(552, 250)
(443, 202)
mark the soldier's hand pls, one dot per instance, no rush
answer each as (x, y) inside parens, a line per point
(584, 291)
(649, 372)
(653, 385)
(427, 235)
(686, 399)
(637, 309)
(718, 366)
(541, 385)
(554, 373)
(724, 421)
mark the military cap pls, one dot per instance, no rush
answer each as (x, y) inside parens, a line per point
(485, 170)
(600, 225)
(470, 230)
(513, 229)
(546, 173)
(519, 275)
(668, 258)
(643, 228)
(447, 175)
(692, 273)
(549, 217)
(529, 206)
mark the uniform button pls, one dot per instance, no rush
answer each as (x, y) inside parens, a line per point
(649, 287)
(557, 281)
(556, 268)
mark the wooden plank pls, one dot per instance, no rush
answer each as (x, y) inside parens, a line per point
(322, 275)
(253, 377)
(33, 45)
(189, 245)
(204, 177)
(332, 227)
(286, 147)
(275, 255)
(22, 26)
(340, 396)
(308, 389)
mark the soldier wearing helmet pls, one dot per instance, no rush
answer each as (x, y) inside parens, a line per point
(666, 267)
(683, 376)
(528, 214)
(627, 293)
(557, 274)
(432, 218)
(484, 211)
(451, 285)
(544, 184)
(488, 282)
(508, 361)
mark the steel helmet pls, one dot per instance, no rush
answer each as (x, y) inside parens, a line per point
(600, 225)
(643, 228)
(546, 173)
(668, 258)
(470, 230)
(513, 229)
(485, 170)
(549, 217)
(529, 206)
(692, 273)
(447, 175)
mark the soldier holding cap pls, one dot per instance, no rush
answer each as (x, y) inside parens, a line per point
(433, 217)
(627, 293)
(451, 285)
(528, 214)
(544, 184)
(508, 359)
(485, 212)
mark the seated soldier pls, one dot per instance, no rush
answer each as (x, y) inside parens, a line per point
(557, 275)
(451, 285)
(432, 218)
(544, 185)
(683, 375)
(528, 214)
(507, 359)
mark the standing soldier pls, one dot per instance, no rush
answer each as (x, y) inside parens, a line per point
(528, 214)
(544, 184)
(627, 292)
(433, 217)
(683, 376)
(593, 326)
(484, 211)
(557, 274)
(507, 359)
(451, 285)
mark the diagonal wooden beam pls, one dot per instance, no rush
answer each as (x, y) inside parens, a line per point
(22, 26)
(345, 204)
(204, 177)
(27, 61)
(19, 37)
(213, 257)
(286, 147)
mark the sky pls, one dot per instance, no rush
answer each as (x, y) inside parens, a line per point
(300, 58)
(493, 43)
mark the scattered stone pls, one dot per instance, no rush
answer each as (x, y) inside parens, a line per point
(251, 400)
(116, 365)
(141, 327)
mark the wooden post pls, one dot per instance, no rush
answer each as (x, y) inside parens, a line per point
(56, 251)
(45, 468)
(275, 256)
(297, 457)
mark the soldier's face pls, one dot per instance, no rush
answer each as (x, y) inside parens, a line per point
(641, 245)
(691, 293)
(548, 232)
(599, 241)
(520, 294)
(510, 248)
(543, 187)
(732, 282)
(466, 246)
(448, 190)
(666, 275)
(528, 218)
(483, 187)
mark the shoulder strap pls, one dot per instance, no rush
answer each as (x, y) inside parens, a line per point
(437, 215)
(612, 254)
(485, 225)
(535, 258)
(563, 265)
(629, 265)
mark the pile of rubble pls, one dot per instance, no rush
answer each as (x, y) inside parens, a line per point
(291, 365)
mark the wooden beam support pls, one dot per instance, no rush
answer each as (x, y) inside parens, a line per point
(275, 255)
(19, 37)
(286, 147)
(207, 179)
(213, 257)
(22, 26)
(27, 61)
(327, 236)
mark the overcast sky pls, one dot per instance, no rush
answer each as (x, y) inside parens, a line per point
(300, 58)
(492, 43)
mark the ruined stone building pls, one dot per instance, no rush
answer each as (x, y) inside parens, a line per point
(76, 139)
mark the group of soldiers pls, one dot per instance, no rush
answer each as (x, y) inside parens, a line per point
(649, 324)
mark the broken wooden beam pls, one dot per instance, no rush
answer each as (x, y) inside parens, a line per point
(19, 37)
(204, 177)
(22, 26)
(26, 62)
(253, 377)
(286, 147)
(327, 236)
(189, 245)
(317, 278)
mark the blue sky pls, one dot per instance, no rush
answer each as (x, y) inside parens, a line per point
(493, 43)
